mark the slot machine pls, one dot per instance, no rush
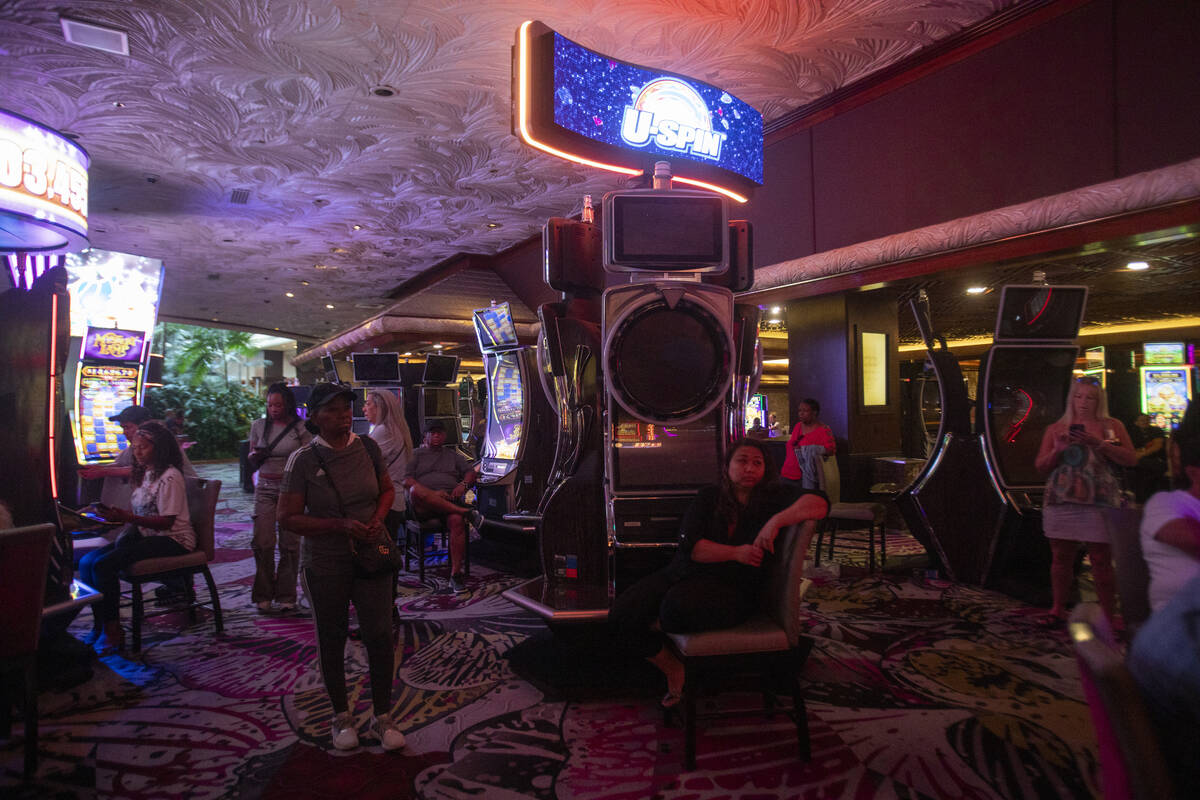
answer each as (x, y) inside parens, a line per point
(436, 397)
(1024, 379)
(518, 444)
(108, 378)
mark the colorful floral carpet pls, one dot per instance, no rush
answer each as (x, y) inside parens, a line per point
(916, 688)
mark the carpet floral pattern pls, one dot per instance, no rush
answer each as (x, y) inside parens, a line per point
(915, 688)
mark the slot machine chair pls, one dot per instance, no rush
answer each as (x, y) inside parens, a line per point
(202, 508)
(1131, 762)
(417, 537)
(768, 646)
(873, 515)
(24, 562)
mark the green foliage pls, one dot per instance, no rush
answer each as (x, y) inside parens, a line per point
(217, 412)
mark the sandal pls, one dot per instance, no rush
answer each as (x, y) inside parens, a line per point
(671, 699)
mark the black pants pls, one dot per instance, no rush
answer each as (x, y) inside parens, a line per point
(681, 605)
(330, 592)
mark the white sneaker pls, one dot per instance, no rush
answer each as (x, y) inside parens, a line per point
(345, 737)
(389, 735)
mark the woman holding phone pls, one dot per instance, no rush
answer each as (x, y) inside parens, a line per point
(1078, 453)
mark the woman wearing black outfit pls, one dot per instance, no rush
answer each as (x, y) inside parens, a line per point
(334, 490)
(716, 578)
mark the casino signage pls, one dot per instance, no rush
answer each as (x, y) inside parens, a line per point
(43, 188)
(113, 345)
(584, 106)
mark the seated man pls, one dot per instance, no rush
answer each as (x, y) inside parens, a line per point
(1170, 531)
(436, 479)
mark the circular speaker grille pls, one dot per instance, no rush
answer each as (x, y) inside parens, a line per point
(669, 364)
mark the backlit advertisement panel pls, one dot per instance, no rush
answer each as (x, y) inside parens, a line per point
(113, 290)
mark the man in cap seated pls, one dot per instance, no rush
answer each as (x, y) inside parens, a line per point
(436, 479)
(116, 491)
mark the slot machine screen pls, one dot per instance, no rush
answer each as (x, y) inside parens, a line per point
(103, 391)
(507, 407)
(1040, 313)
(665, 231)
(756, 408)
(376, 367)
(1025, 390)
(646, 455)
(301, 394)
(494, 327)
(329, 366)
(440, 370)
(439, 401)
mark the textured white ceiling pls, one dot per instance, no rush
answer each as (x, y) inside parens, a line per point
(273, 97)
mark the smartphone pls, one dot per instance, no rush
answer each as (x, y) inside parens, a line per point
(1077, 427)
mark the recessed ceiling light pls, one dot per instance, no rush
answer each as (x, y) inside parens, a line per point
(407, 354)
(1137, 266)
(329, 305)
(289, 294)
(383, 90)
(976, 289)
(338, 250)
(304, 283)
(118, 104)
(437, 347)
(493, 224)
(357, 227)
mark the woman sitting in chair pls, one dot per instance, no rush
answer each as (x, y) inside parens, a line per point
(158, 526)
(716, 578)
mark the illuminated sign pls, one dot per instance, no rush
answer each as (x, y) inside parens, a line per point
(25, 268)
(1156, 353)
(584, 106)
(113, 345)
(43, 188)
(113, 290)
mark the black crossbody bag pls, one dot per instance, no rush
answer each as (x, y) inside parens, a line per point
(370, 558)
(257, 461)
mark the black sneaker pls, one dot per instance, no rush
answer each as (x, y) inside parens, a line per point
(458, 583)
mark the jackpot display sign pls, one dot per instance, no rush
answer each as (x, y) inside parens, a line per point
(43, 188)
(1166, 392)
(583, 105)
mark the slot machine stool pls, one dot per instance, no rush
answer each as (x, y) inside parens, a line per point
(417, 535)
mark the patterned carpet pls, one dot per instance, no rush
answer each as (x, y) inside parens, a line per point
(916, 688)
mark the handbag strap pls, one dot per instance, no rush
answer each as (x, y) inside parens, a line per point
(279, 438)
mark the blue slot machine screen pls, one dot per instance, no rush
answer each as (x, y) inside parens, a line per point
(507, 406)
(494, 326)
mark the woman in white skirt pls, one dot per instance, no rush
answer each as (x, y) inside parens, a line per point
(1078, 452)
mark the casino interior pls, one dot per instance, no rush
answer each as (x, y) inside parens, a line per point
(418, 193)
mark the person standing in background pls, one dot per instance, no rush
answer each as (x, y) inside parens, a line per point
(1150, 444)
(1078, 453)
(272, 440)
(808, 430)
(390, 431)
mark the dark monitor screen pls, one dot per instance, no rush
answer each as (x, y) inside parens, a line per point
(301, 394)
(376, 367)
(1040, 313)
(440, 369)
(1025, 389)
(646, 455)
(329, 366)
(439, 401)
(665, 231)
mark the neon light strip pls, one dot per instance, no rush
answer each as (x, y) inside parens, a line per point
(53, 392)
(523, 117)
(1042, 310)
(48, 206)
(1016, 428)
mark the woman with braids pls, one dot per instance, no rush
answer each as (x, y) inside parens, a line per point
(716, 578)
(158, 525)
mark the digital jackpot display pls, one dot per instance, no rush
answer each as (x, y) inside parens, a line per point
(585, 106)
(494, 327)
(113, 290)
(108, 379)
(756, 409)
(506, 406)
(43, 188)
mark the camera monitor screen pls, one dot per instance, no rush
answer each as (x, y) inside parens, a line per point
(440, 369)
(665, 231)
(376, 367)
(1040, 313)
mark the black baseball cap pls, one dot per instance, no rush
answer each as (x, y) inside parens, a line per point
(435, 425)
(322, 393)
(135, 414)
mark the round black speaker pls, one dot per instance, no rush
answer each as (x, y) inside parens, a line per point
(668, 365)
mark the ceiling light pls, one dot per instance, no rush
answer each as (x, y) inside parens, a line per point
(1137, 266)
(97, 37)
(338, 250)
(493, 224)
(304, 283)
(289, 294)
(437, 347)
(775, 309)
(357, 227)
(383, 90)
(118, 104)
(976, 289)
(407, 354)
(329, 305)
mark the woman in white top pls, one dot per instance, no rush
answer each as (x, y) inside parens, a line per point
(390, 431)
(158, 525)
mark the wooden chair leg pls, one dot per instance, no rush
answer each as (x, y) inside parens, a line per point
(871, 547)
(216, 600)
(190, 596)
(882, 546)
(31, 718)
(139, 613)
